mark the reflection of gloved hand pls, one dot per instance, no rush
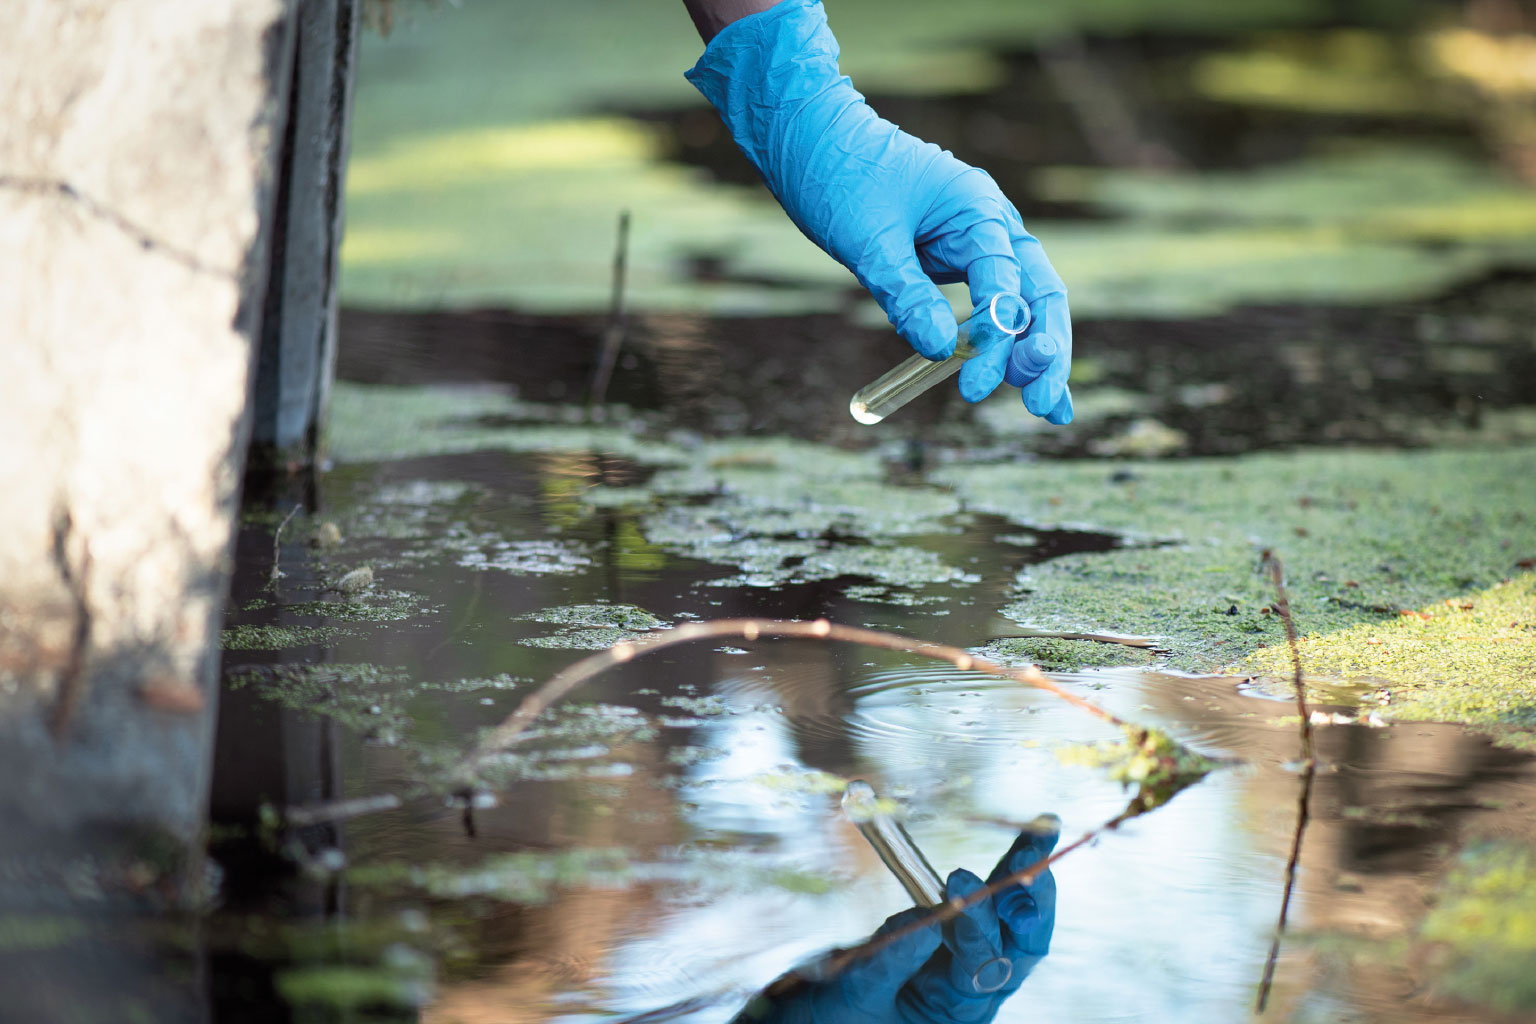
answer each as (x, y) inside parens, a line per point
(924, 977)
(900, 213)
(1017, 922)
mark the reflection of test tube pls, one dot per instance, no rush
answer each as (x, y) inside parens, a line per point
(912, 869)
(894, 389)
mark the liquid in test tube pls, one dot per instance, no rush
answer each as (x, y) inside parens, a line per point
(916, 374)
(901, 855)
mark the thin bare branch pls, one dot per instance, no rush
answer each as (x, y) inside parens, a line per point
(563, 682)
(1308, 774)
(277, 539)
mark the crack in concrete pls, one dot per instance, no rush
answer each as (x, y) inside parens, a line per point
(102, 212)
(72, 677)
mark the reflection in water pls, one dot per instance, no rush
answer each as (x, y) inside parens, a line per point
(913, 968)
(673, 839)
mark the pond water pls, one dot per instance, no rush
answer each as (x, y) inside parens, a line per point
(671, 837)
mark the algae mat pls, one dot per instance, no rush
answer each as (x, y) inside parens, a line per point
(1363, 535)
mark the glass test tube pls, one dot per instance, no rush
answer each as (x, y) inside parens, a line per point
(916, 374)
(901, 855)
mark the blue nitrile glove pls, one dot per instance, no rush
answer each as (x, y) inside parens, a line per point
(900, 213)
(1017, 922)
(924, 977)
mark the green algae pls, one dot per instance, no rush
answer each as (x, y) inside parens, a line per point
(489, 551)
(368, 699)
(785, 511)
(592, 627)
(614, 616)
(373, 606)
(1470, 659)
(1362, 535)
(279, 638)
(1484, 927)
(366, 423)
(1156, 765)
(1058, 654)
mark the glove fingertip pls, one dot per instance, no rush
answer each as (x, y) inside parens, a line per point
(961, 883)
(1062, 414)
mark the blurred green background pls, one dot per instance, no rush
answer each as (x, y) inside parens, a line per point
(496, 142)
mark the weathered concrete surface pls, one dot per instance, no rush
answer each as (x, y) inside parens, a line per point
(135, 158)
(298, 343)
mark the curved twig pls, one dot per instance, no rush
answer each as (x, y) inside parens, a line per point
(567, 679)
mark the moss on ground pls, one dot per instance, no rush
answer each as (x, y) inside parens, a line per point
(1362, 535)
(1468, 659)
(1484, 927)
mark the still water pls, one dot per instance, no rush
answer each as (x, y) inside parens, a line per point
(671, 837)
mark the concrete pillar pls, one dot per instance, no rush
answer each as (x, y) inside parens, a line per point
(298, 341)
(138, 171)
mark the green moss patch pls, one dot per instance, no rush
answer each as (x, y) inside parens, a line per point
(1362, 535)
(1469, 659)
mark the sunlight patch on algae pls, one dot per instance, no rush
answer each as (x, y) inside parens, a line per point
(1484, 925)
(1469, 659)
(1362, 534)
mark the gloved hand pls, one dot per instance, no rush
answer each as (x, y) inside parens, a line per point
(924, 977)
(900, 213)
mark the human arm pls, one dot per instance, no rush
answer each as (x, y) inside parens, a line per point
(900, 213)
